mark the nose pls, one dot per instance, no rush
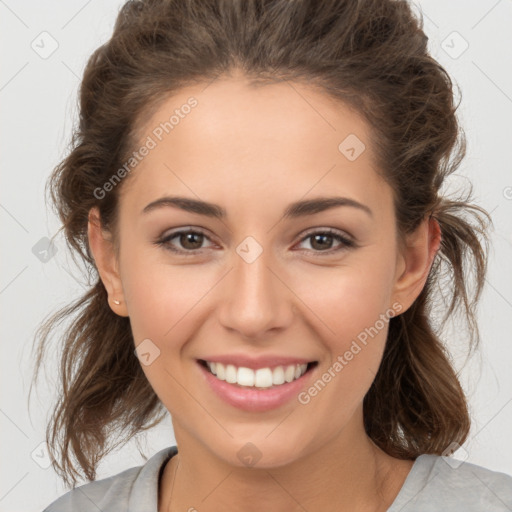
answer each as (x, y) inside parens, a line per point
(256, 300)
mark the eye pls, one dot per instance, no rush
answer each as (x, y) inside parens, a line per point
(323, 240)
(190, 239)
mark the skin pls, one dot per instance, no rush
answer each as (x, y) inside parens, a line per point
(254, 150)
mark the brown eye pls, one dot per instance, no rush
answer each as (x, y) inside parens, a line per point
(321, 241)
(189, 242)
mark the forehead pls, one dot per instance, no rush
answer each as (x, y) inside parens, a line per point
(273, 140)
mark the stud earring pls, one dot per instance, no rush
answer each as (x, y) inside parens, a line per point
(116, 302)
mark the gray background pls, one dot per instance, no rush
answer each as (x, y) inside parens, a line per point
(38, 97)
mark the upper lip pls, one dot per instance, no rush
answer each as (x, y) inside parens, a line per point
(268, 361)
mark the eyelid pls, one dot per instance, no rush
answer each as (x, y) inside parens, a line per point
(329, 231)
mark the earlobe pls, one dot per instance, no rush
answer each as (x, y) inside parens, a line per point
(416, 261)
(106, 262)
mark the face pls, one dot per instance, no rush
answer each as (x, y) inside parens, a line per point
(317, 285)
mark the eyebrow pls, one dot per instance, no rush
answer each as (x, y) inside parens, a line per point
(294, 210)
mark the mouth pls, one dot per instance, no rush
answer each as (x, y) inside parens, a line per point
(262, 378)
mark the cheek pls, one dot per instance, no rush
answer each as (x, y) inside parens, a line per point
(160, 297)
(154, 290)
(164, 303)
(167, 305)
(347, 299)
(350, 308)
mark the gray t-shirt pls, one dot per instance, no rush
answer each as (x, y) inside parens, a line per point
(434, 484)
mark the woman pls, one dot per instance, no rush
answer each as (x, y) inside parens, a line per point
(257, 185)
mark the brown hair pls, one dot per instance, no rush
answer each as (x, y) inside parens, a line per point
(370, 54)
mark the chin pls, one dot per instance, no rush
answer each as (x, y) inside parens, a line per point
(259, 453)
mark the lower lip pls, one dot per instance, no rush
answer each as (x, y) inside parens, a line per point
(255, 399)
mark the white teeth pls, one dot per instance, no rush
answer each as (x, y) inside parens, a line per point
(220, 371)
(289, 373)
(278, 376)
(245, 376)
(263, 378)
(260, 378)
(231, 374)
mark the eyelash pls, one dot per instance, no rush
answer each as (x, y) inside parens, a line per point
(346, 242)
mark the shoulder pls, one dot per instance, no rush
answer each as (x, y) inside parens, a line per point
(118, 493)
(443, 483)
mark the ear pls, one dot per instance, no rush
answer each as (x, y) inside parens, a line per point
(102, 250)
(415, 260)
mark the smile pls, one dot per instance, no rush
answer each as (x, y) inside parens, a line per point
(260, 378)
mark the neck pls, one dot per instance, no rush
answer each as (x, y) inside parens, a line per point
(347, 473)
